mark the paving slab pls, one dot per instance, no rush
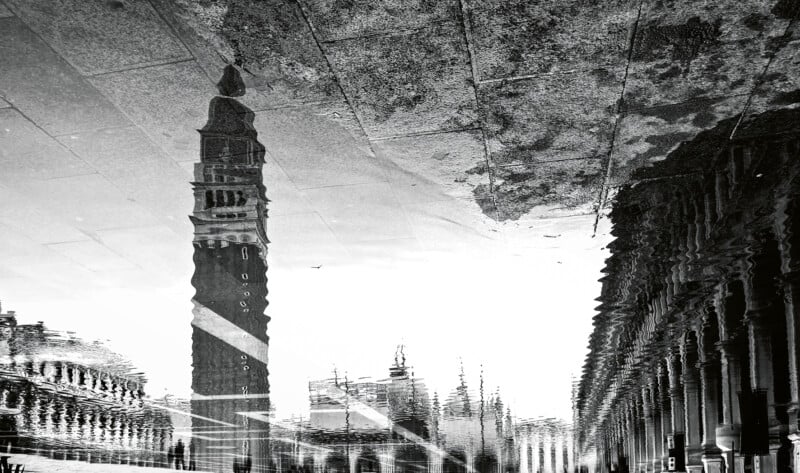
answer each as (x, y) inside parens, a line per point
(46, 88)
(520, 37)
(99, 36)
(169, 102)
(408, 83)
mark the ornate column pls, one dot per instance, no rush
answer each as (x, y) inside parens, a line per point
(632, 435)
(547, 441)
(709, 380)
(649, 425)
(523, 452)
(617, 448)
(665, 408)
(787, 223)
(353, 457)
(758, 298)
(691, 395)
(729, 432)
(676, 405)
(640, 422)
(571, 451)
(558, 446)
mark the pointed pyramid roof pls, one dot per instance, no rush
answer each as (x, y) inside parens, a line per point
(231, 83)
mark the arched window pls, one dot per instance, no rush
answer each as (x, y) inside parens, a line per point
(244, 253)
(220, 198)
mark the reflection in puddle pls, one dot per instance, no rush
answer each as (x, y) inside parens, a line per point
(696, 306)
(694, 358)
(65, 399)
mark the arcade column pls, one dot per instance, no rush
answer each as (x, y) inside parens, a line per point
(787, 228)
(761, 377)
(709, 381)
(691, 395)
(676, 441)
(729, 431)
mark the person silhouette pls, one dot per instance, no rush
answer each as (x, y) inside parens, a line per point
(192, 464)
(179, 456)
(170, 455)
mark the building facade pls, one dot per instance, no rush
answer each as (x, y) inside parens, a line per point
(693, 362)
(230, 384)
(67, 399)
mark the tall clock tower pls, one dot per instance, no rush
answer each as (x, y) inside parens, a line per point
(230, 400)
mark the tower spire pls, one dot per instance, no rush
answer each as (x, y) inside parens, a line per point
(229, 365)
(231, 83)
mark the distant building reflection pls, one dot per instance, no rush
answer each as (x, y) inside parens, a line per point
(392, 425)
(230, 401)
(67, 399)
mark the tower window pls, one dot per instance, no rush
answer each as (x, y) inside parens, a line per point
(209, 199)
(244, 253)
(230, 201)
(240, 199)
(220, 197)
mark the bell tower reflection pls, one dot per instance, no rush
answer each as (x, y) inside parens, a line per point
(230, 400)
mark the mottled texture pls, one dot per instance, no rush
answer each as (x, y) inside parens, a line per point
(100, 35)
(522, 37)
(338, 19)
(419, 85)
(780, 85)
(408, 83)
(549, 79)
(685, 50)
(551, 118)
(554, 189)
(648, 135)
(270, 41)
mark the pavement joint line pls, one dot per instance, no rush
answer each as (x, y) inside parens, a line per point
(467, 31)
(425, 133)
(315, 36)
(620, 115)
(141, 66)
